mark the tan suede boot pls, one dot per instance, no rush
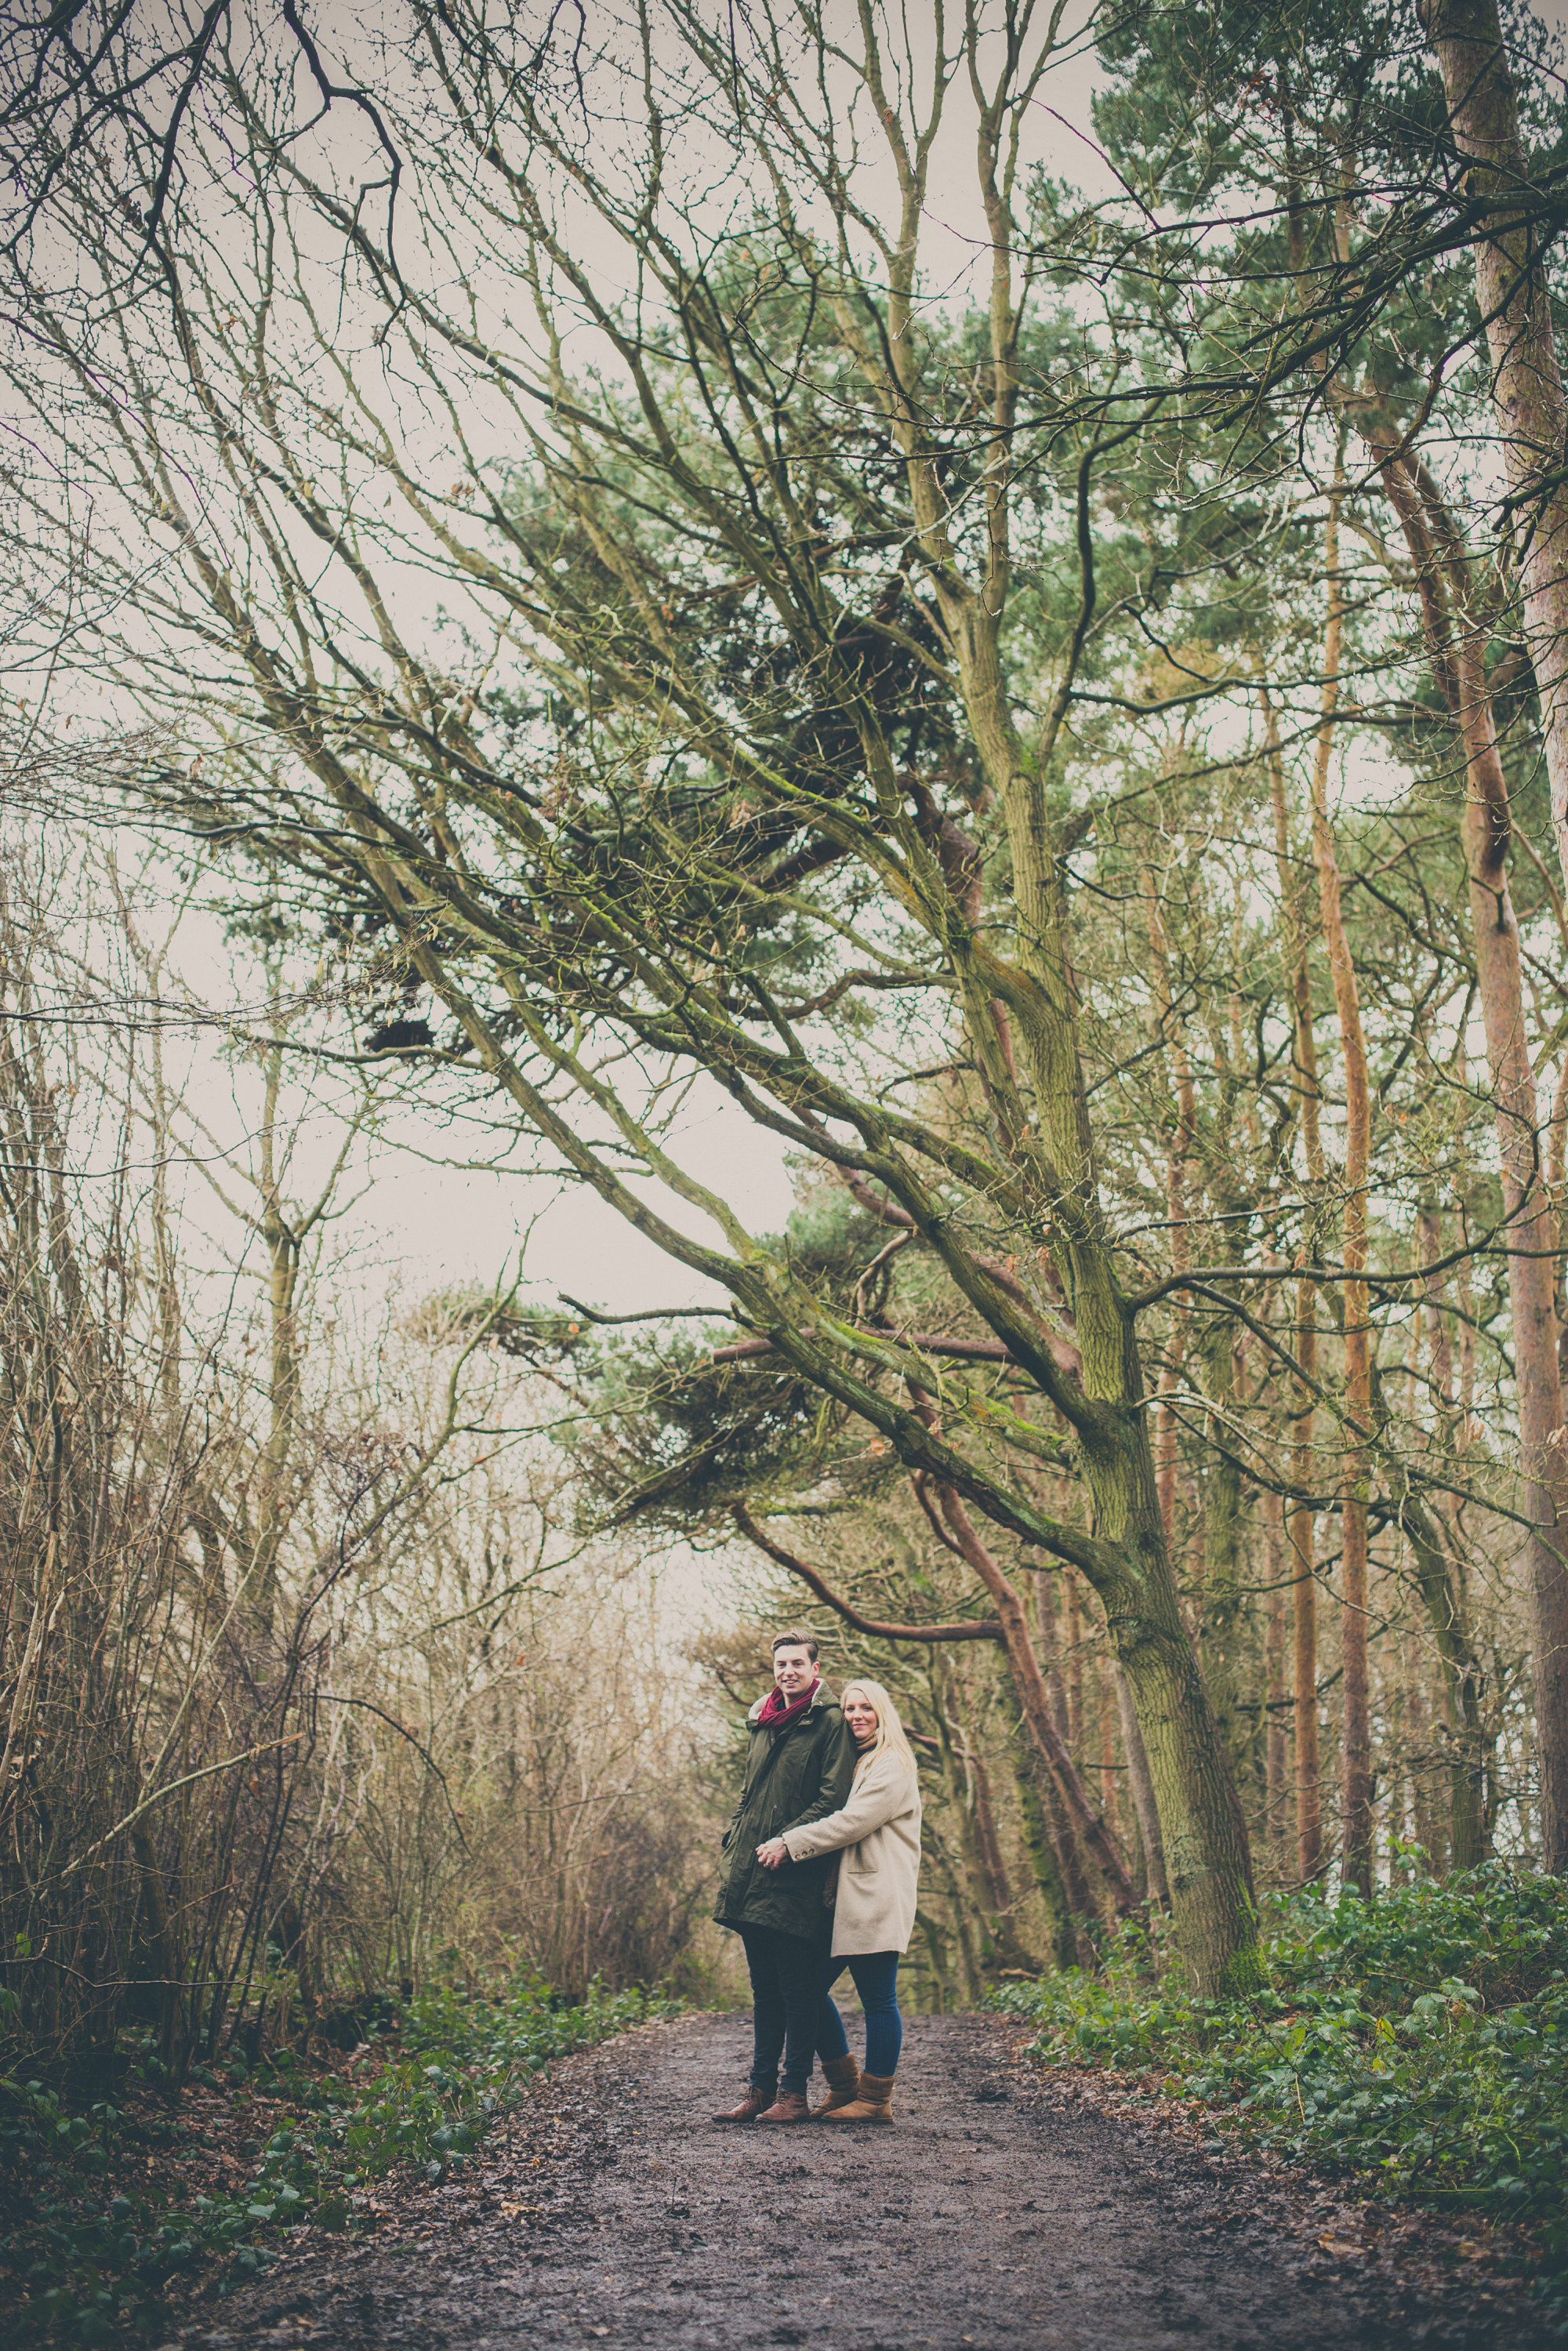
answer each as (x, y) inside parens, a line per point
(872, 2104)
(843, 2078)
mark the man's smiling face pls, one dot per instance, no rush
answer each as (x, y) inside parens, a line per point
(793, 1670)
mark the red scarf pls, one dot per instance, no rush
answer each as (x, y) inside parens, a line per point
(777, 1713)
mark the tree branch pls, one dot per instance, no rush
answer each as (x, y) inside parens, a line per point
(984, 1628)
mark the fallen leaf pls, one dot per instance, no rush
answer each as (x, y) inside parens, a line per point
(1338, 2245)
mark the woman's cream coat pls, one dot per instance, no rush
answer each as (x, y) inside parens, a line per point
(878, 1831)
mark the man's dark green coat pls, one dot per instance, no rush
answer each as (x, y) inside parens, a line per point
(802, 1773)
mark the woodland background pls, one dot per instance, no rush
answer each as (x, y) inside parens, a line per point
(651, 559)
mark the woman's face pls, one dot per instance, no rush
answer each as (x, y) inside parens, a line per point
(860, 1716)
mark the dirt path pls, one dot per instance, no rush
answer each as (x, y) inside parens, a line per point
(1001, 2212)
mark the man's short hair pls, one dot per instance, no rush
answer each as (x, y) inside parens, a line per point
(796, 1640)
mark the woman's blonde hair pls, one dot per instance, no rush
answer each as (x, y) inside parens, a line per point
(890, 1738)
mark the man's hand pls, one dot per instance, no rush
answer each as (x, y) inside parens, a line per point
(771, 1853)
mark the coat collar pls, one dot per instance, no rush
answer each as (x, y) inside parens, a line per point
(824, 1697)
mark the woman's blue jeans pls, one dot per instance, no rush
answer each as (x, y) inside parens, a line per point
(875, 1975)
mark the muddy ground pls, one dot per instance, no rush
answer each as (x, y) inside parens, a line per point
(1006, 2208)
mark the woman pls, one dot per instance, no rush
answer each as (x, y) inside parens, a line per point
(877, 1832)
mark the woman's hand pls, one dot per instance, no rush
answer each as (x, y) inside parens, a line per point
(771, 1853)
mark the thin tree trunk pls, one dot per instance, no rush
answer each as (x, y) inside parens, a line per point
(936, 1954)
(1463, 1834)
(1110, 1778)
(1045, 1814)
(1041, 1846)
(1045, 1582)
(1074, 1676)
(1430, 1830)
(1300, 1526)
(1009, 1950)
(1461, 1691)
(1464, 1289)
(1439, 1345)
(1226, 1599)
(978, 1902)
(975, 1985)
(1082, 1907)
(1168, 1035)
(282, 1244)
(1275, 1695)
(1556, 1156)
(1299, 1519)
(1143, 1787)
(1355, 1715)
(164, 1946)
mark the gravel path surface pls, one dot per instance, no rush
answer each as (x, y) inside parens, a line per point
(1001, 2213)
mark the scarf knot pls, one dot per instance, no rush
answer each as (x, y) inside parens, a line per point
(778, 1712)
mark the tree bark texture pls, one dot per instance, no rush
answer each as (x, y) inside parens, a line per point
(1143, 1787)
(1466, 38)
(1300, 1530)
(1275, 1695)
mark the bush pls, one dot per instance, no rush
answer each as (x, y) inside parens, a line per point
(92, 2262)
(1420, 2041)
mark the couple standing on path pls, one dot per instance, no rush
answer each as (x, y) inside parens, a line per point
(819, 1874)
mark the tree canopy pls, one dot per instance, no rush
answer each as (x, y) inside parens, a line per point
(705, 561)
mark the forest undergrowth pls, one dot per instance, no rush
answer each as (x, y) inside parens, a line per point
(1419, 2042)
(113, 2211)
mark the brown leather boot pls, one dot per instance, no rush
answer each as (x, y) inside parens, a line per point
(843, 2078)
(873, 2102)
(754, 2102)
(791, 2109)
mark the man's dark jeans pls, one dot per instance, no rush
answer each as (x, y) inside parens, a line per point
(786, 2002)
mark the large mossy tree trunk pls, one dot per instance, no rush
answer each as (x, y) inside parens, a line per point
(1203, 1834)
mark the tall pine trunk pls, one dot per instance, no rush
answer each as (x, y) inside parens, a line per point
(1299, 1519)
(1355, 1708)
(1456, 635)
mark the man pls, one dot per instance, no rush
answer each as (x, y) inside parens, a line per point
(797, 1770)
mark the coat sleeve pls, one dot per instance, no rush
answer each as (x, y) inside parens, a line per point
(836, 1770)
(878, 1797)
(728, 1837)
